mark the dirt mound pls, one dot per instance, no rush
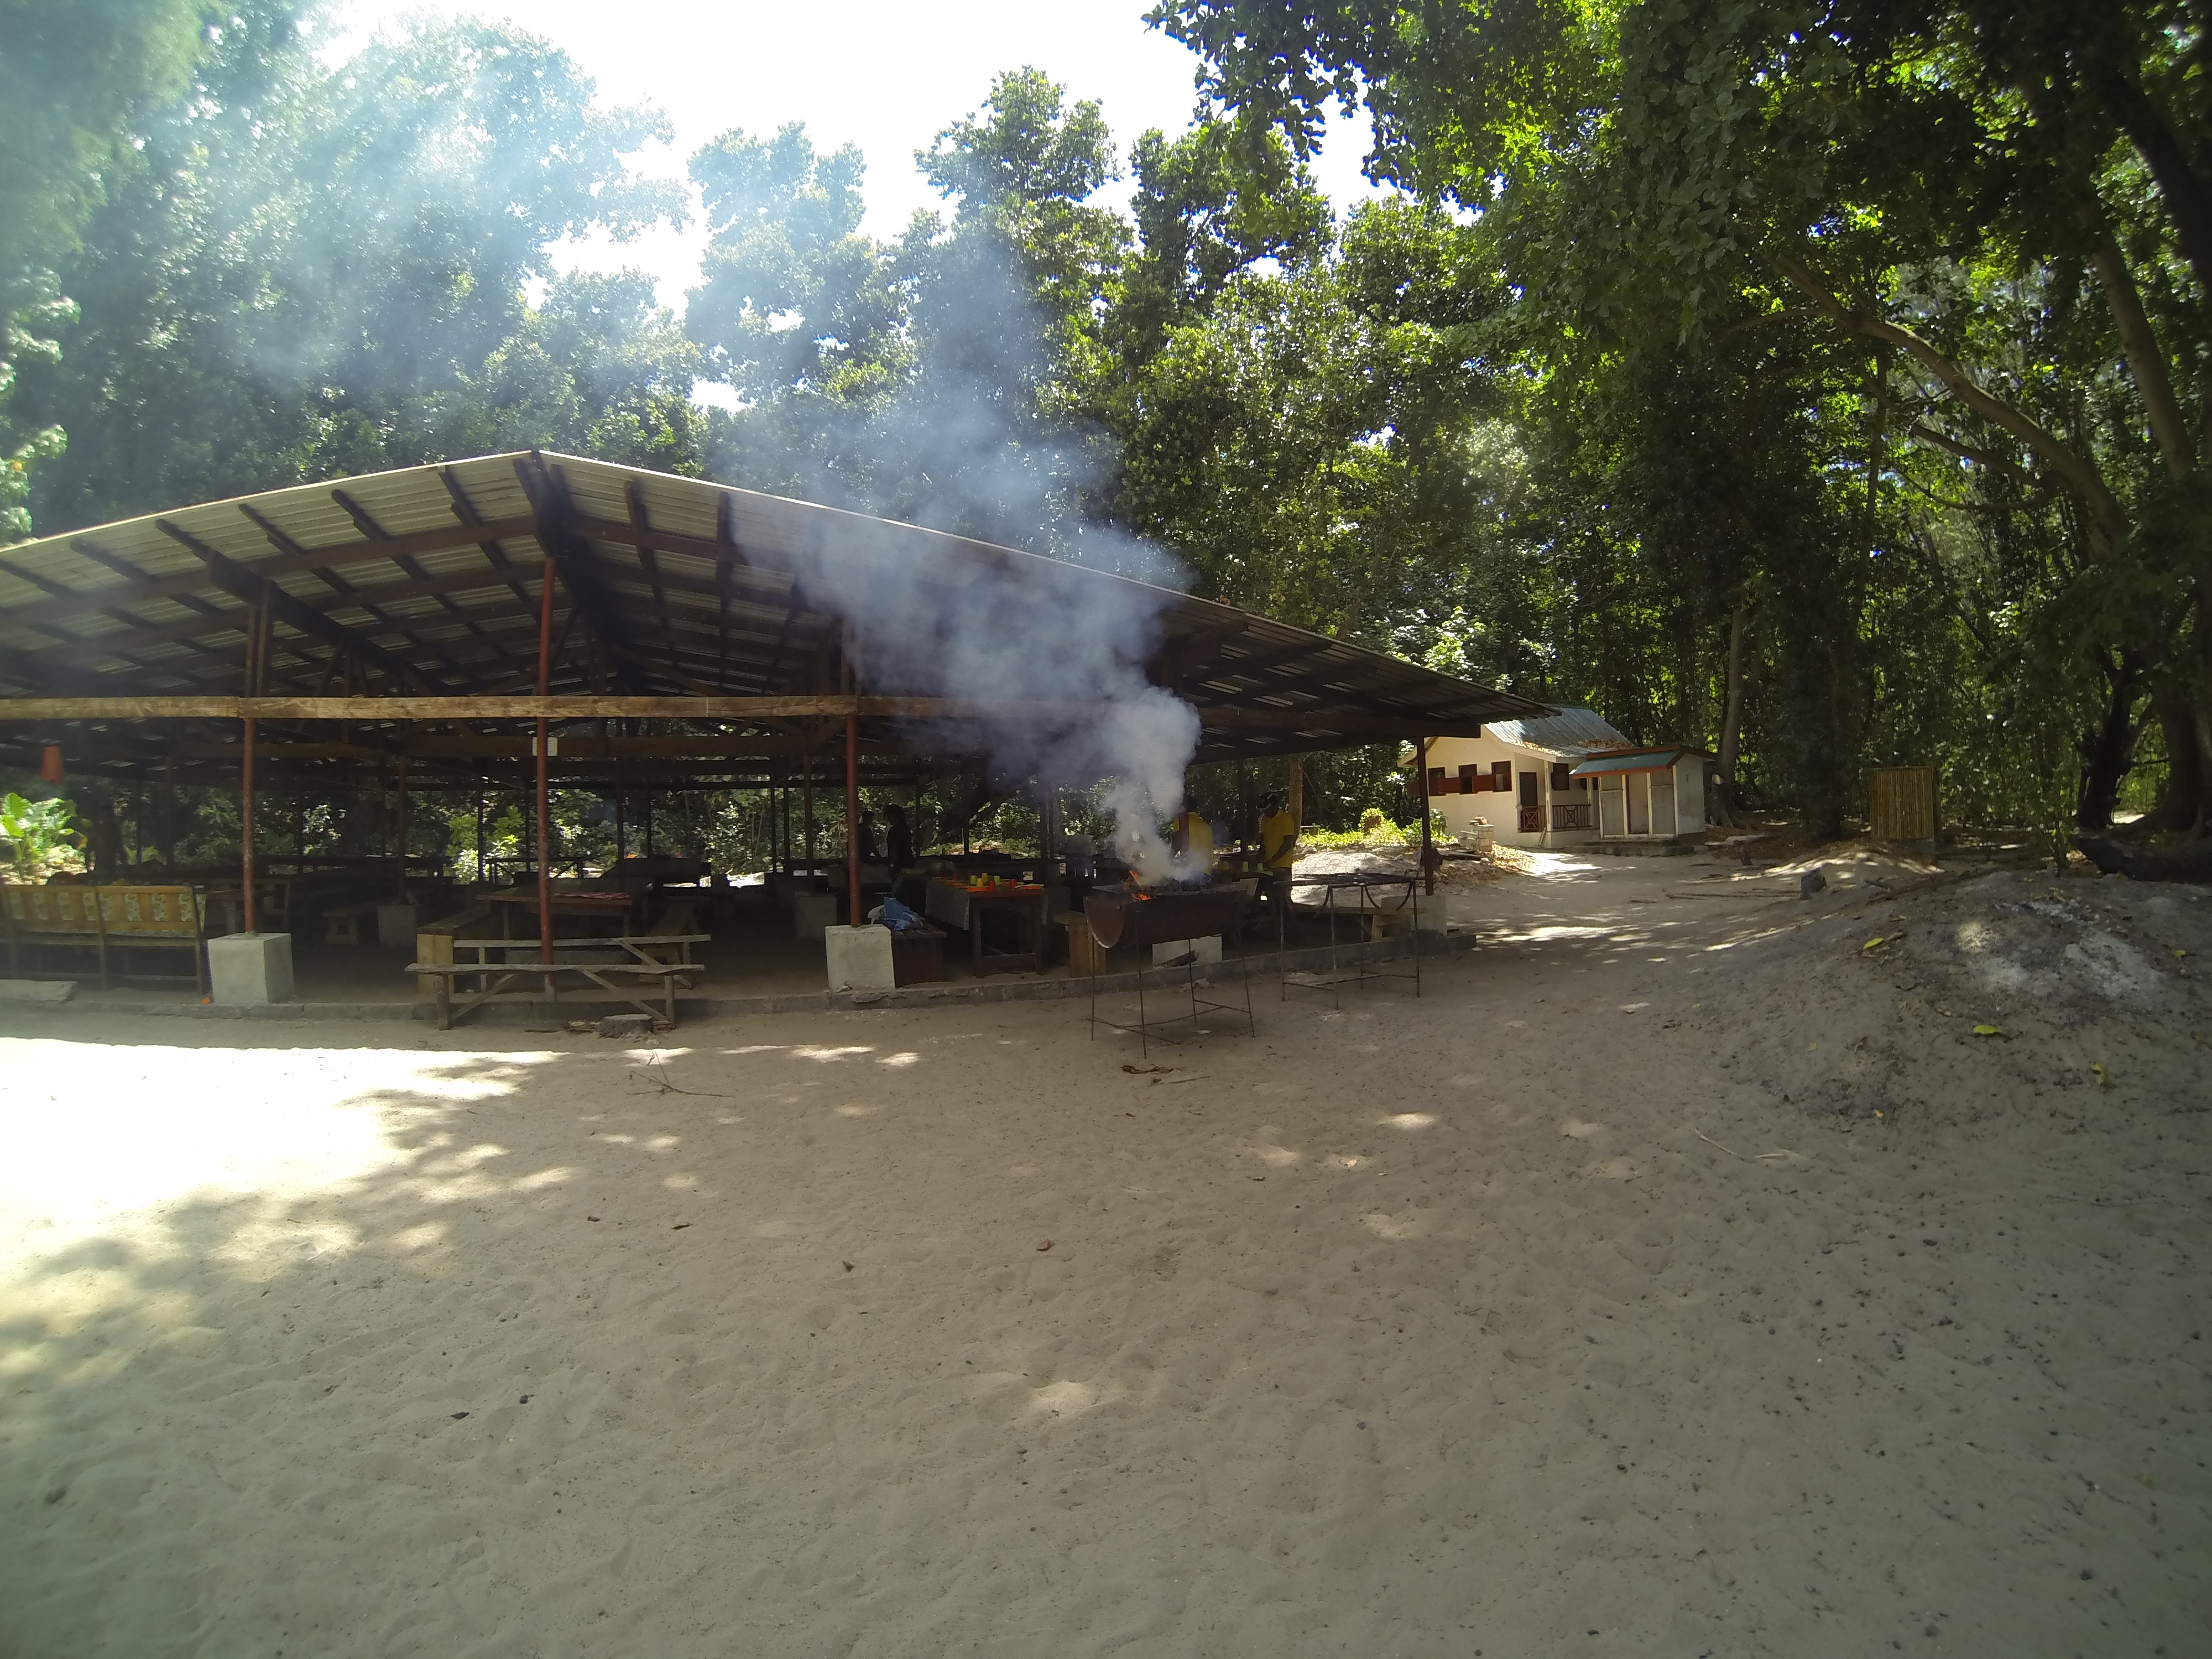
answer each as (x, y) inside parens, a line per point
(1969, 998)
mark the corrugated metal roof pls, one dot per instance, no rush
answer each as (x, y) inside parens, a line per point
(1563, 731)
(1641, 760)
(672, 586)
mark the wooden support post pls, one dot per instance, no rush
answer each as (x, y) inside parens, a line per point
(852, 820)
(400, 829)
(544, 835)
(1429, 859)
(807, 792)
(246, 824)
(480, 838)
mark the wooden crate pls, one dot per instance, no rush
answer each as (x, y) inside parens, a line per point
(1084, 956)
(918, 956)
(1902, 803)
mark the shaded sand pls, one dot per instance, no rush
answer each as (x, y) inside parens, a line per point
(1525, 1318)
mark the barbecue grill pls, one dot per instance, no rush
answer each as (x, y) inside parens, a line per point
(1143, 917)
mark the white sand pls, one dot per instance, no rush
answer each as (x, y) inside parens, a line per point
(1475, 1324)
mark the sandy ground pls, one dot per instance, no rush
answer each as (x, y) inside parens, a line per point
(1681, 1274)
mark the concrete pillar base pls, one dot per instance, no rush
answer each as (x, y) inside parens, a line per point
(860, 958)
(250, 969)
(812, 912)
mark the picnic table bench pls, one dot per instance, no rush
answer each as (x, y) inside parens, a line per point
(594, 906)
(495, 971)
(107, 919)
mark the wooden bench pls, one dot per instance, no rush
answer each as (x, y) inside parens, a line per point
(679, 922)
(107, 919)
(434, 940)
(496, 970)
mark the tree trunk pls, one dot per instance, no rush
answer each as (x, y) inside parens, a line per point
(1732, 720)
(2181, 803)
(2108, 751)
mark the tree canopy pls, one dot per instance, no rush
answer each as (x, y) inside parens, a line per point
(1824, 388)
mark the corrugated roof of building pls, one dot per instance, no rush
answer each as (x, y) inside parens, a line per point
(1563, 732)
(1640, 760)
(668, 586)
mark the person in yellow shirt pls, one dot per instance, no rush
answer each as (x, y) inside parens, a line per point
(1279, 852)
(1192, 840)
(1278, 837)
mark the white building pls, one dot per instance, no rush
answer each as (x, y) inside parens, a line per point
(1567, 780)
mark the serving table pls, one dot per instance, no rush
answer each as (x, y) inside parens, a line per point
(963, 909)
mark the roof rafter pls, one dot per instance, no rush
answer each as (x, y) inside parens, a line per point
(241, 583)
(376, 533)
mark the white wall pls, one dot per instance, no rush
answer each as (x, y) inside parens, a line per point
(1502, 809)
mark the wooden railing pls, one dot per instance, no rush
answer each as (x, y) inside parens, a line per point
(1572, 815)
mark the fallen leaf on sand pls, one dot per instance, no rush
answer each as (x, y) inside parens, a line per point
(1877, 941)
(1144, 1071)
(1988, 1032)
(679, 1227)
(848, 1266)
(1044, 1243)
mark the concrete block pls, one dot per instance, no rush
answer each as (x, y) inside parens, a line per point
(860, 958)
(395, 924)
(1208, 949)
(812, 912)
(250, 969)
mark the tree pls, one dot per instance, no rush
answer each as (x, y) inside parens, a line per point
(800, 314)
(1680, 166)
(73, 79)
(309, 272)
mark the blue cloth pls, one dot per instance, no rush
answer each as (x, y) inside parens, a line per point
(897, 917)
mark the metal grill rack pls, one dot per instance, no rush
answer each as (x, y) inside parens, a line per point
(1409, 903)
(1177, 916)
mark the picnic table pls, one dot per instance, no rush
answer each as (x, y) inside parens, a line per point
(597, 906)
(660, 961)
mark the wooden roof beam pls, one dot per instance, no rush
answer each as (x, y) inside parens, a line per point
(572, 556)
(466, 511)
(369, 527)
(183, 585)
(634, 499)
(330, 579)
(250, 585)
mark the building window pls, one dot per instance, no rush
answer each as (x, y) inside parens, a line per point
(1559, 772)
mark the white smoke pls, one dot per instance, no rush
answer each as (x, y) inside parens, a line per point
(970, 460)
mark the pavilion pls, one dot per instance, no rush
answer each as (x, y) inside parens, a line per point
(449, 620)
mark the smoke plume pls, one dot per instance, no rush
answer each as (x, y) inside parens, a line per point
(962, 451)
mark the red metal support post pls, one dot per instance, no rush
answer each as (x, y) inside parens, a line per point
(544, 835)
(852, 820)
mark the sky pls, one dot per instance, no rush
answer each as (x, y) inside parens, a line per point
(885, 75)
